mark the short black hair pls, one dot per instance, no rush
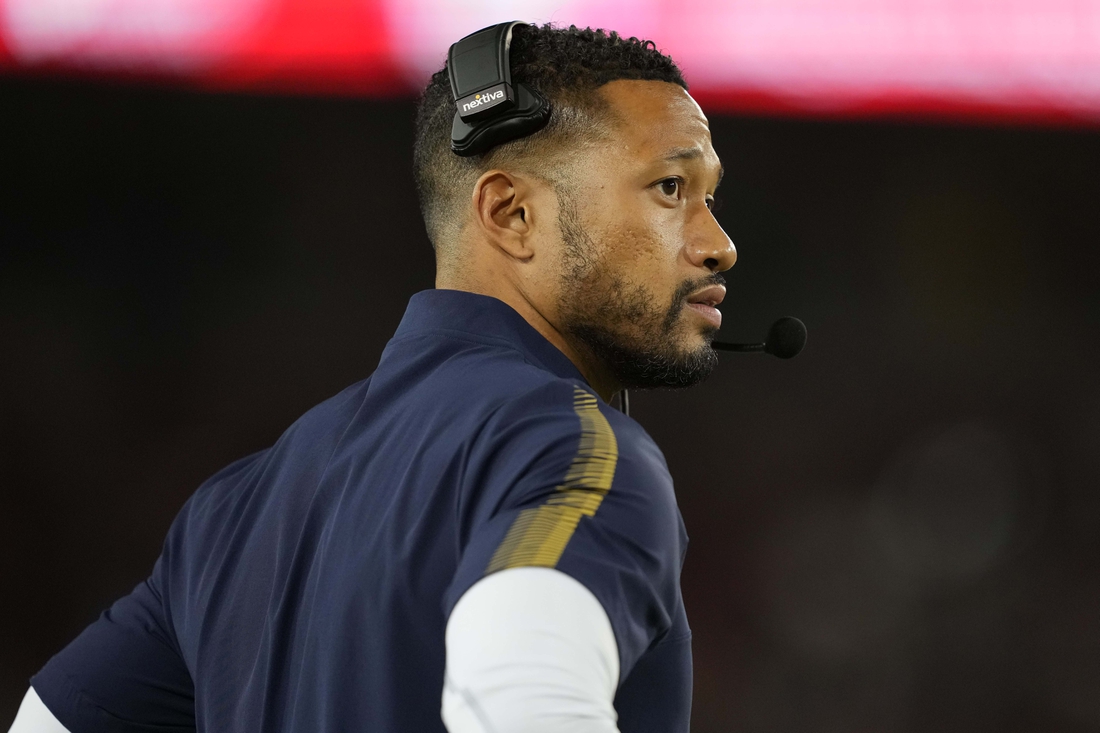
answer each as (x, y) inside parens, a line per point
(567, 65)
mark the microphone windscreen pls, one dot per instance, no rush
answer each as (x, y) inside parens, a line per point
(786, 338)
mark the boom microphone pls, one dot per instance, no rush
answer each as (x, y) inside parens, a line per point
(786, 338)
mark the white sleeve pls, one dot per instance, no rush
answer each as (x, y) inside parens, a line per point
(530, 650)
(35, 717)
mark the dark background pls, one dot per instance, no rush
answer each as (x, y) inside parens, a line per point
(896, 531)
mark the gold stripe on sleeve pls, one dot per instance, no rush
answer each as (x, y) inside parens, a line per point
(539, 535)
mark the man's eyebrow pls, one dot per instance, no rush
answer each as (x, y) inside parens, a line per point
(683, 154)
(692, 153)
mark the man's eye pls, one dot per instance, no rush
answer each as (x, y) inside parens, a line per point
(670, 187)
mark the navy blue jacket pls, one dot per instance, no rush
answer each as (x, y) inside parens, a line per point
(307, 587)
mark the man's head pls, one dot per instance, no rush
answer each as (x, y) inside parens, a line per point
(597, 228)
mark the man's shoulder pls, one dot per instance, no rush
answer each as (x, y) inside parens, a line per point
(573, 407)
(461, 377)
(304, 446)
(560, 434)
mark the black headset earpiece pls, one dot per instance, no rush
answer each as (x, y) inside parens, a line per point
(490, 110)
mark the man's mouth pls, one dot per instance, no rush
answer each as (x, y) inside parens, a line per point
(705, 301)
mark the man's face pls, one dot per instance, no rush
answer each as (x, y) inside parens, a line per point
(641, 250)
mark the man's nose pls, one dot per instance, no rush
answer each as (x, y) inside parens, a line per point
(709, 247)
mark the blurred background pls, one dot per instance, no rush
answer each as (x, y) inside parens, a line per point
(208, 224)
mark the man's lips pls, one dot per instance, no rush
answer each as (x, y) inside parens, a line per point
(711, 296)
(704, 303)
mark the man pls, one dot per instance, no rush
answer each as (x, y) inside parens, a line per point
(472, 523)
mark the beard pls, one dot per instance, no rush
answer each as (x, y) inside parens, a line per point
(623, 325)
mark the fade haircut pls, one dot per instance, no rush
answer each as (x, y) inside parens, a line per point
(566, 65)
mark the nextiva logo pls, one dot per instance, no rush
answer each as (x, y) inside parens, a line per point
(488, 98)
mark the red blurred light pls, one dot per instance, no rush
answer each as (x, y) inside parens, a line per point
(1010, 60)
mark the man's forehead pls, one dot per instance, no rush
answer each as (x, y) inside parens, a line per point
(659, 120)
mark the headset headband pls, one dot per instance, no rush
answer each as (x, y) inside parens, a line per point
(489, 110)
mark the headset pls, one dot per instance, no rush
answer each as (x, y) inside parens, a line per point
(490, 109)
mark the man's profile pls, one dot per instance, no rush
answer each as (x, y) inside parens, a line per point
(471, 539)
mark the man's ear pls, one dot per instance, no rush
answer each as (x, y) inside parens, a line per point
(502, 212)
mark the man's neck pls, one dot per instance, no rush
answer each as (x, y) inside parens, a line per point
(596, 374)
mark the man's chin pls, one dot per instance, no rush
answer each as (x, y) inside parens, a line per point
(695, 339)
(686, 371)
(703, 338)
(653, 366)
